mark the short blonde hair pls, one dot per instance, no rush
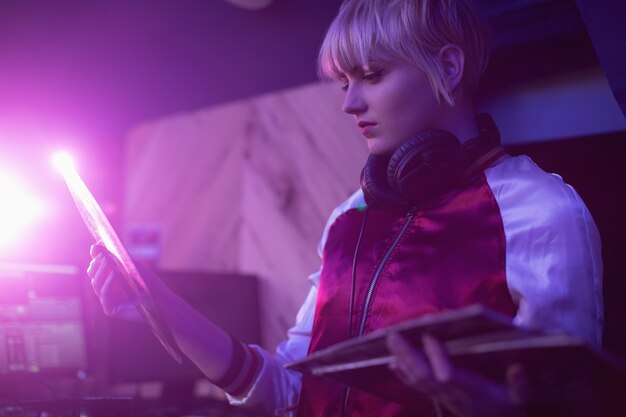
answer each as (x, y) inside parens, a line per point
(410, 31)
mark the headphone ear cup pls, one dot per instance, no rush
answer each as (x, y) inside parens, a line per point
(426, 166)
(374, 184)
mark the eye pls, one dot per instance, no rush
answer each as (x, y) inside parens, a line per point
(344, 84)
(373, 76)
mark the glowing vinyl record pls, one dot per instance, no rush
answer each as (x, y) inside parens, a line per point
(101, 230)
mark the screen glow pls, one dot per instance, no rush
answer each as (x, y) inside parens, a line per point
(19, 211)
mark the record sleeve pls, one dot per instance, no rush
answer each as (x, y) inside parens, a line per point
(567, 376)
(101, 230)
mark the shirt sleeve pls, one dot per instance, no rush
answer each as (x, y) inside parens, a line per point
(553, 253)
(276, 390)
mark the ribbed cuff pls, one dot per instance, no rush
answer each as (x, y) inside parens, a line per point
(244, 367)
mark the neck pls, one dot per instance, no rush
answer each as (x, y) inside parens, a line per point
(460, 120)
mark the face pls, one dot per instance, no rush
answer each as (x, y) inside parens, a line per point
(391, 102)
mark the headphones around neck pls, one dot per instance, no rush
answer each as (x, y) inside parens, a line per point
(425, 167)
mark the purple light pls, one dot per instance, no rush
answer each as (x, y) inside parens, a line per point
(63, 162)
(20, 211)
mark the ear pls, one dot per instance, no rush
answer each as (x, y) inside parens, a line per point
(452, 60)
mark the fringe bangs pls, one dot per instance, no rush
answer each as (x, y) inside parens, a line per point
(351, 42)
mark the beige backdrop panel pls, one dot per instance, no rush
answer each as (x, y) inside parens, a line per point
(247, 187)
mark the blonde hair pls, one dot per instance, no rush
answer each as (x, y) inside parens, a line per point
(409, 31)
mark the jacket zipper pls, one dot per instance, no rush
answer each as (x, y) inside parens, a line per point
(379, 269)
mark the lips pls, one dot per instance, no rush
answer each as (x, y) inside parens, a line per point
(365, 127)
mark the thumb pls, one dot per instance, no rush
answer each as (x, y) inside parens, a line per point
(518, 384)
(97, 248)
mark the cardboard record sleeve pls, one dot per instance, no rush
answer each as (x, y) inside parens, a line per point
(567, 377)
(101, 230)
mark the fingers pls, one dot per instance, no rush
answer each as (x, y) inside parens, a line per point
(99, 260)
(99, 271)
(107, 280)
(518, 384)
(410, 365)
(97, 248)
(438, 359)
(102, 264)
(430, 371)
(102, 269)
(433, 363)
(107, 295)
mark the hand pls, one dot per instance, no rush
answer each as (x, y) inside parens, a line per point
(106, 279)
(465, 393)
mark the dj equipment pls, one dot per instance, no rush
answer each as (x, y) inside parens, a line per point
(41, 321)
(43, 353)
(119, 407)
(425, 167)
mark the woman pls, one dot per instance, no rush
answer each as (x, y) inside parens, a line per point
(444, 219)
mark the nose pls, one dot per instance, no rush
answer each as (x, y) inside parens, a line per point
(353, 102)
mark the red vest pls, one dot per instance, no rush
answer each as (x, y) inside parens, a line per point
(436, 259)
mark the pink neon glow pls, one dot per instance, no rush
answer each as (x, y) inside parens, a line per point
(63, 162)
(19, 211)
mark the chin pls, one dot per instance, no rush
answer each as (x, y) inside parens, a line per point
(380, 148)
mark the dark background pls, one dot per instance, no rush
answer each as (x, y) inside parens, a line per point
(81, 73)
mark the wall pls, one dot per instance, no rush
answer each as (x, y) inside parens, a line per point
(575, 104)
(246, 187)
